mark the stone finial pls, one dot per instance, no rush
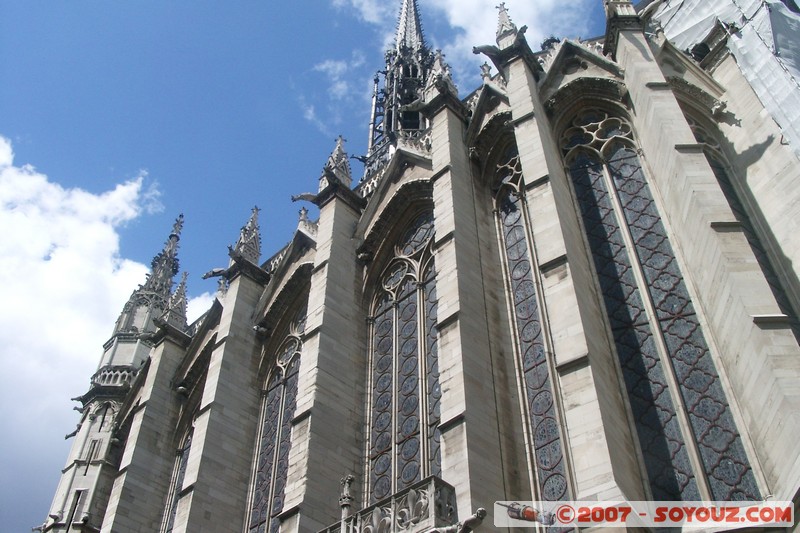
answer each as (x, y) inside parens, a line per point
(346, 499)
(338, 165)
(175, 315)
(165, 264)
(505, 27)
(441, 78)
(486, 72)
(249, 244)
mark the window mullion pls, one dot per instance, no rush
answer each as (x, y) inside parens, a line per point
(395, 389)
(422, 380)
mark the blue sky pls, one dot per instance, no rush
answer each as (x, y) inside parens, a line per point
(117, 116)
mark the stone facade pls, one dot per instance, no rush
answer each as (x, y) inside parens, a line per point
(579, 282)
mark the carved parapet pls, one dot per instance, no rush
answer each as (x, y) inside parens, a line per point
(429, 504)
(417, 141)
(114, 376)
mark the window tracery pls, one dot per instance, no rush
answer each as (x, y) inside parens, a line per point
(616, 206)
(274, 444)
(541, 409)
(404, 437)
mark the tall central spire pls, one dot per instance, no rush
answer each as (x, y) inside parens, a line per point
(409, 27)
(408, 66)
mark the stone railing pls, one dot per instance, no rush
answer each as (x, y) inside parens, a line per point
(114, 376)
(426, 505)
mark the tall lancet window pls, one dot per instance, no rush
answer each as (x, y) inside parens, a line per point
(274, 444)
(535, 377)
(177, 482)
(658, 336)
(404, 439)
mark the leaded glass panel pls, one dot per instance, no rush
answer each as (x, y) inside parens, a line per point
(404, 440)
(177, 483)
(278, 408)
(548, 454)
(662, 442)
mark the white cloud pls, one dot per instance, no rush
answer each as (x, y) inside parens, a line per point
(64, 284)
(372, 11)
(340, 74)
(198, 305)
(310, 114)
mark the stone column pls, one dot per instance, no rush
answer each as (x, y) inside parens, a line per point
(137, 499)
(218, 472)
(471, 444)
(328, 425)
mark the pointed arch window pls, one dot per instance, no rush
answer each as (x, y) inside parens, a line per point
(654, 326)
(404, 437)
(517, 251)
(176, 486)
(274, 441)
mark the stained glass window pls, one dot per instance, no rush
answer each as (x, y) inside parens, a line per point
(404, 439)
(540, 406)
(607, 161)
(278, 408)
(177, 482)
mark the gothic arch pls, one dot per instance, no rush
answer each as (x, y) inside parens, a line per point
(651, 318)
(585, 93)
(403, 439)
(280, 364)
(488, 145)
(531, 346)
(385, 225)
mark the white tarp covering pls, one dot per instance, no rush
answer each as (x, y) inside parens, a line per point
(766, 47)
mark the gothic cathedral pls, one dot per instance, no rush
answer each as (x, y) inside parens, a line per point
(578, 282)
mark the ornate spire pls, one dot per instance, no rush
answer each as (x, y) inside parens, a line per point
(152, 297)
(504, 25)
(407, 71)
(175, 315)
(338, 164)
(249, 243)
(165, 264)
(409, 27)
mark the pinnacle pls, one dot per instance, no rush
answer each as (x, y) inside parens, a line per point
(249, 243)
(504, 23)
(175, 315)
(339, 164)
(165, 264)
